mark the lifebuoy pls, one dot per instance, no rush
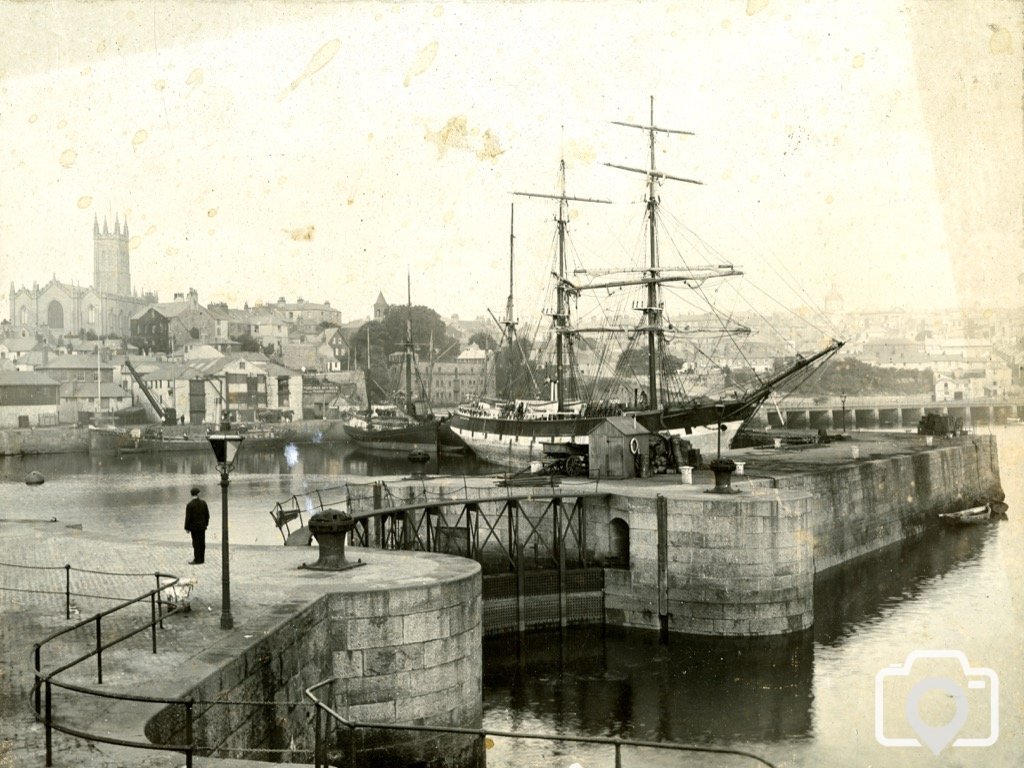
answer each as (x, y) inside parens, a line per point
(634, 446)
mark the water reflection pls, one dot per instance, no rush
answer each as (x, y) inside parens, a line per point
(627, 683)
(858, 593)
(755, 692)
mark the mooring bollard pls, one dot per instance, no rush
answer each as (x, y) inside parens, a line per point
(330, 528)
(723, 469)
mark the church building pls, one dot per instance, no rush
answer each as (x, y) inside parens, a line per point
(64, 309)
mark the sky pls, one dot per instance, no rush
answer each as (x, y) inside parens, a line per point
(321, 150)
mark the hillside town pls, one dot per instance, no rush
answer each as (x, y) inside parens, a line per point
(70, 354)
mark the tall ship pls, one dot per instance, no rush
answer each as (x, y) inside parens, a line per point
(664, 393)
(414, 430)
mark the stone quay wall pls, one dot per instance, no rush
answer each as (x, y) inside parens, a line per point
(865, 505)
(714, 565)
(277, 668)
(65, 439)
(407, 654)
(744, 564)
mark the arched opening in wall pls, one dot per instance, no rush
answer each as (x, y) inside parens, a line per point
(618, 543)
(92, 315)
(55, 315)
(23, 316)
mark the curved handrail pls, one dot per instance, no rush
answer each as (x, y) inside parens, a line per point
(483, 734)
(45, 682)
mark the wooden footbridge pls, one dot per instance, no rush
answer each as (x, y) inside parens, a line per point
(531, 542)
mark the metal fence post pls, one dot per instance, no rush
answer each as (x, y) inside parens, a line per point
(152, 615)
(159, 600)
(67, 591)
(618, 752)
(48, 721)
(317, 736)
(38, 653)
(99, 651)
(189, 746)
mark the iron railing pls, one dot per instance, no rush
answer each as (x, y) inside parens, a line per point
(45, 682)
(323, 710)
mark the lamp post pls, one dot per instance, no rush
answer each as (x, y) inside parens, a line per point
(720, 410)
(842, 397)
(723, 468)
(225, 446)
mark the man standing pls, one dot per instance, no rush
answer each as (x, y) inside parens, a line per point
(197, 517)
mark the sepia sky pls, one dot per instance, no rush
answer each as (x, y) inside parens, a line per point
(319, 150)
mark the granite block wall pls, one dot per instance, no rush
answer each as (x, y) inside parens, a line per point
(735, 565)
(406, 654)
(872, 503)
(744, 564)
(275, 669)
(409, 655)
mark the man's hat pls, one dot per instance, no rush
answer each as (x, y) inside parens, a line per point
(195, 491)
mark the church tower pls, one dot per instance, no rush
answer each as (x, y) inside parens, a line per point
(110, 258)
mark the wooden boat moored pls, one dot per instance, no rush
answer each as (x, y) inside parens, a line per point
(992, 510)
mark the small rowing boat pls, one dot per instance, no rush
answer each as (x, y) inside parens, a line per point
(992, 510)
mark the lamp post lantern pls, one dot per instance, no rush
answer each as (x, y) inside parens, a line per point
(225, 446)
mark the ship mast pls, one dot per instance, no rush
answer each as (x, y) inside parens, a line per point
(509, 323)
(654, 309)
(408, 345)
(563, 288)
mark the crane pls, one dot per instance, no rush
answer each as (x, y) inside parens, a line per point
(167, 415)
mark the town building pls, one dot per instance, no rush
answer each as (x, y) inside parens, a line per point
(380, 308)
(28, 399)
(167, 326)
(470, 375)
(306, 317)
(88, 386)
(205, 384)
(59, 308)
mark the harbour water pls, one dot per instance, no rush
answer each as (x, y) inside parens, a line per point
(806, 700)
(142, 497)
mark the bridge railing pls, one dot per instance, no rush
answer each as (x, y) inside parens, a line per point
(497, 527)
(366, 499)
(923, 400)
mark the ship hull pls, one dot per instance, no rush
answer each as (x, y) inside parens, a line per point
(127, 445)
(428, 436)
(502, 441)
